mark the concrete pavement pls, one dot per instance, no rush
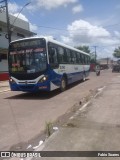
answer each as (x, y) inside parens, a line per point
(4, 86)
(95, 127)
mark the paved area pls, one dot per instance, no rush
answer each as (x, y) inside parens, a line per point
(4, 86)
(23, 116)
(94, 128)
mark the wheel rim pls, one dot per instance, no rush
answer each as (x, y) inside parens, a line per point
(83, 77)
(63, 84)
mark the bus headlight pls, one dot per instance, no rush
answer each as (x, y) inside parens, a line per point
(11, 80)
(43, 79)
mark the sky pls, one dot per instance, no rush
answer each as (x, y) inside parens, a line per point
(74, 22)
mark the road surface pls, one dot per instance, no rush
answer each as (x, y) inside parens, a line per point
(23, 116)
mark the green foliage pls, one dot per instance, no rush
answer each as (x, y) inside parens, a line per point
(84, 48)
(48, 128)
(92, 60)
(87, 50)
(116, 53)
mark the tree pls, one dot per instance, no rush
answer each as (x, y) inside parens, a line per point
(116, 53)
(92, 58)
(84, 48)
(87, 50)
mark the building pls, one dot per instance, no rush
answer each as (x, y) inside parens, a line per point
(105, 63)
(20, 29)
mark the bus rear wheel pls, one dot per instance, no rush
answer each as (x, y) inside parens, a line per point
(63, 85)
(84, 78)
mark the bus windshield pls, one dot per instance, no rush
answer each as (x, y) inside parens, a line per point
(27, 56)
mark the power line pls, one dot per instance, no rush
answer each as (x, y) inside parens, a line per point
(60, 28)
(20, 12)
(111, 45)
(55, 28)
(49, 27)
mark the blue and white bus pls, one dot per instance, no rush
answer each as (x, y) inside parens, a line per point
(41, 63)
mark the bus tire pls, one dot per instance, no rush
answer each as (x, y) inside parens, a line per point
(63, 85)
(84, 77)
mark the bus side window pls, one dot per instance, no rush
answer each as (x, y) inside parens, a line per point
(68, 55)
(78, 57)
(81, 59)
(62, 55)
(53, 61)
(73, 57)
(85, 59)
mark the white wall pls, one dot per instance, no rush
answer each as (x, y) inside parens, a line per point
(4, 66)
(18, 23)
(3, 41)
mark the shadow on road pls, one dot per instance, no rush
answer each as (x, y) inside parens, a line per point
(41, 95)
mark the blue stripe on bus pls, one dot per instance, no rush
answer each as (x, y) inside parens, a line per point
(53, 77)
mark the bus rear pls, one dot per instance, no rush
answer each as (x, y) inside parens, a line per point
(28, 65)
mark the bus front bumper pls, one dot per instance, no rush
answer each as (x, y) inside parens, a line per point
(30, 87)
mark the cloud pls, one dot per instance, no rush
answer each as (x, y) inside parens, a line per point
(77, 9)
(117, 34)
(14, 10)
(21, 16)
(49, 4)
(49, 36)
(33, 27)
(13, 7)
(81, 32)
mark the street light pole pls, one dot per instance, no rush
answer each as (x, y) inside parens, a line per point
(20, 12)
(8, 20)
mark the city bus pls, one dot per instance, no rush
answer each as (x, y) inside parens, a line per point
(44, 64)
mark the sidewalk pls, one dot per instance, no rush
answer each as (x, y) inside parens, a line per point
(95, 127)
(4, 86)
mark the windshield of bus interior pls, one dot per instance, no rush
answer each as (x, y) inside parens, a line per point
(28, 56)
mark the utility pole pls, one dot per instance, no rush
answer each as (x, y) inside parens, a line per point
(8, 35)
(5, 8)
(95, 53)
(8, 22)
(11, 26)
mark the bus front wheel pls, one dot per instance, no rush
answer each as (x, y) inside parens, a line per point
(63, 84)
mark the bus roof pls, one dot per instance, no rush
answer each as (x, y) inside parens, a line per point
(48, 39)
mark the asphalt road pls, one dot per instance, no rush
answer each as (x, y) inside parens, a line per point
(23, 116)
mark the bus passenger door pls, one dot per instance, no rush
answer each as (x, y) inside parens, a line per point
(53, 62)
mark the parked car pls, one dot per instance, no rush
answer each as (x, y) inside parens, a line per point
(116, 68)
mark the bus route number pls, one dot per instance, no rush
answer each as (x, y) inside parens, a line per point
(62, 67)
